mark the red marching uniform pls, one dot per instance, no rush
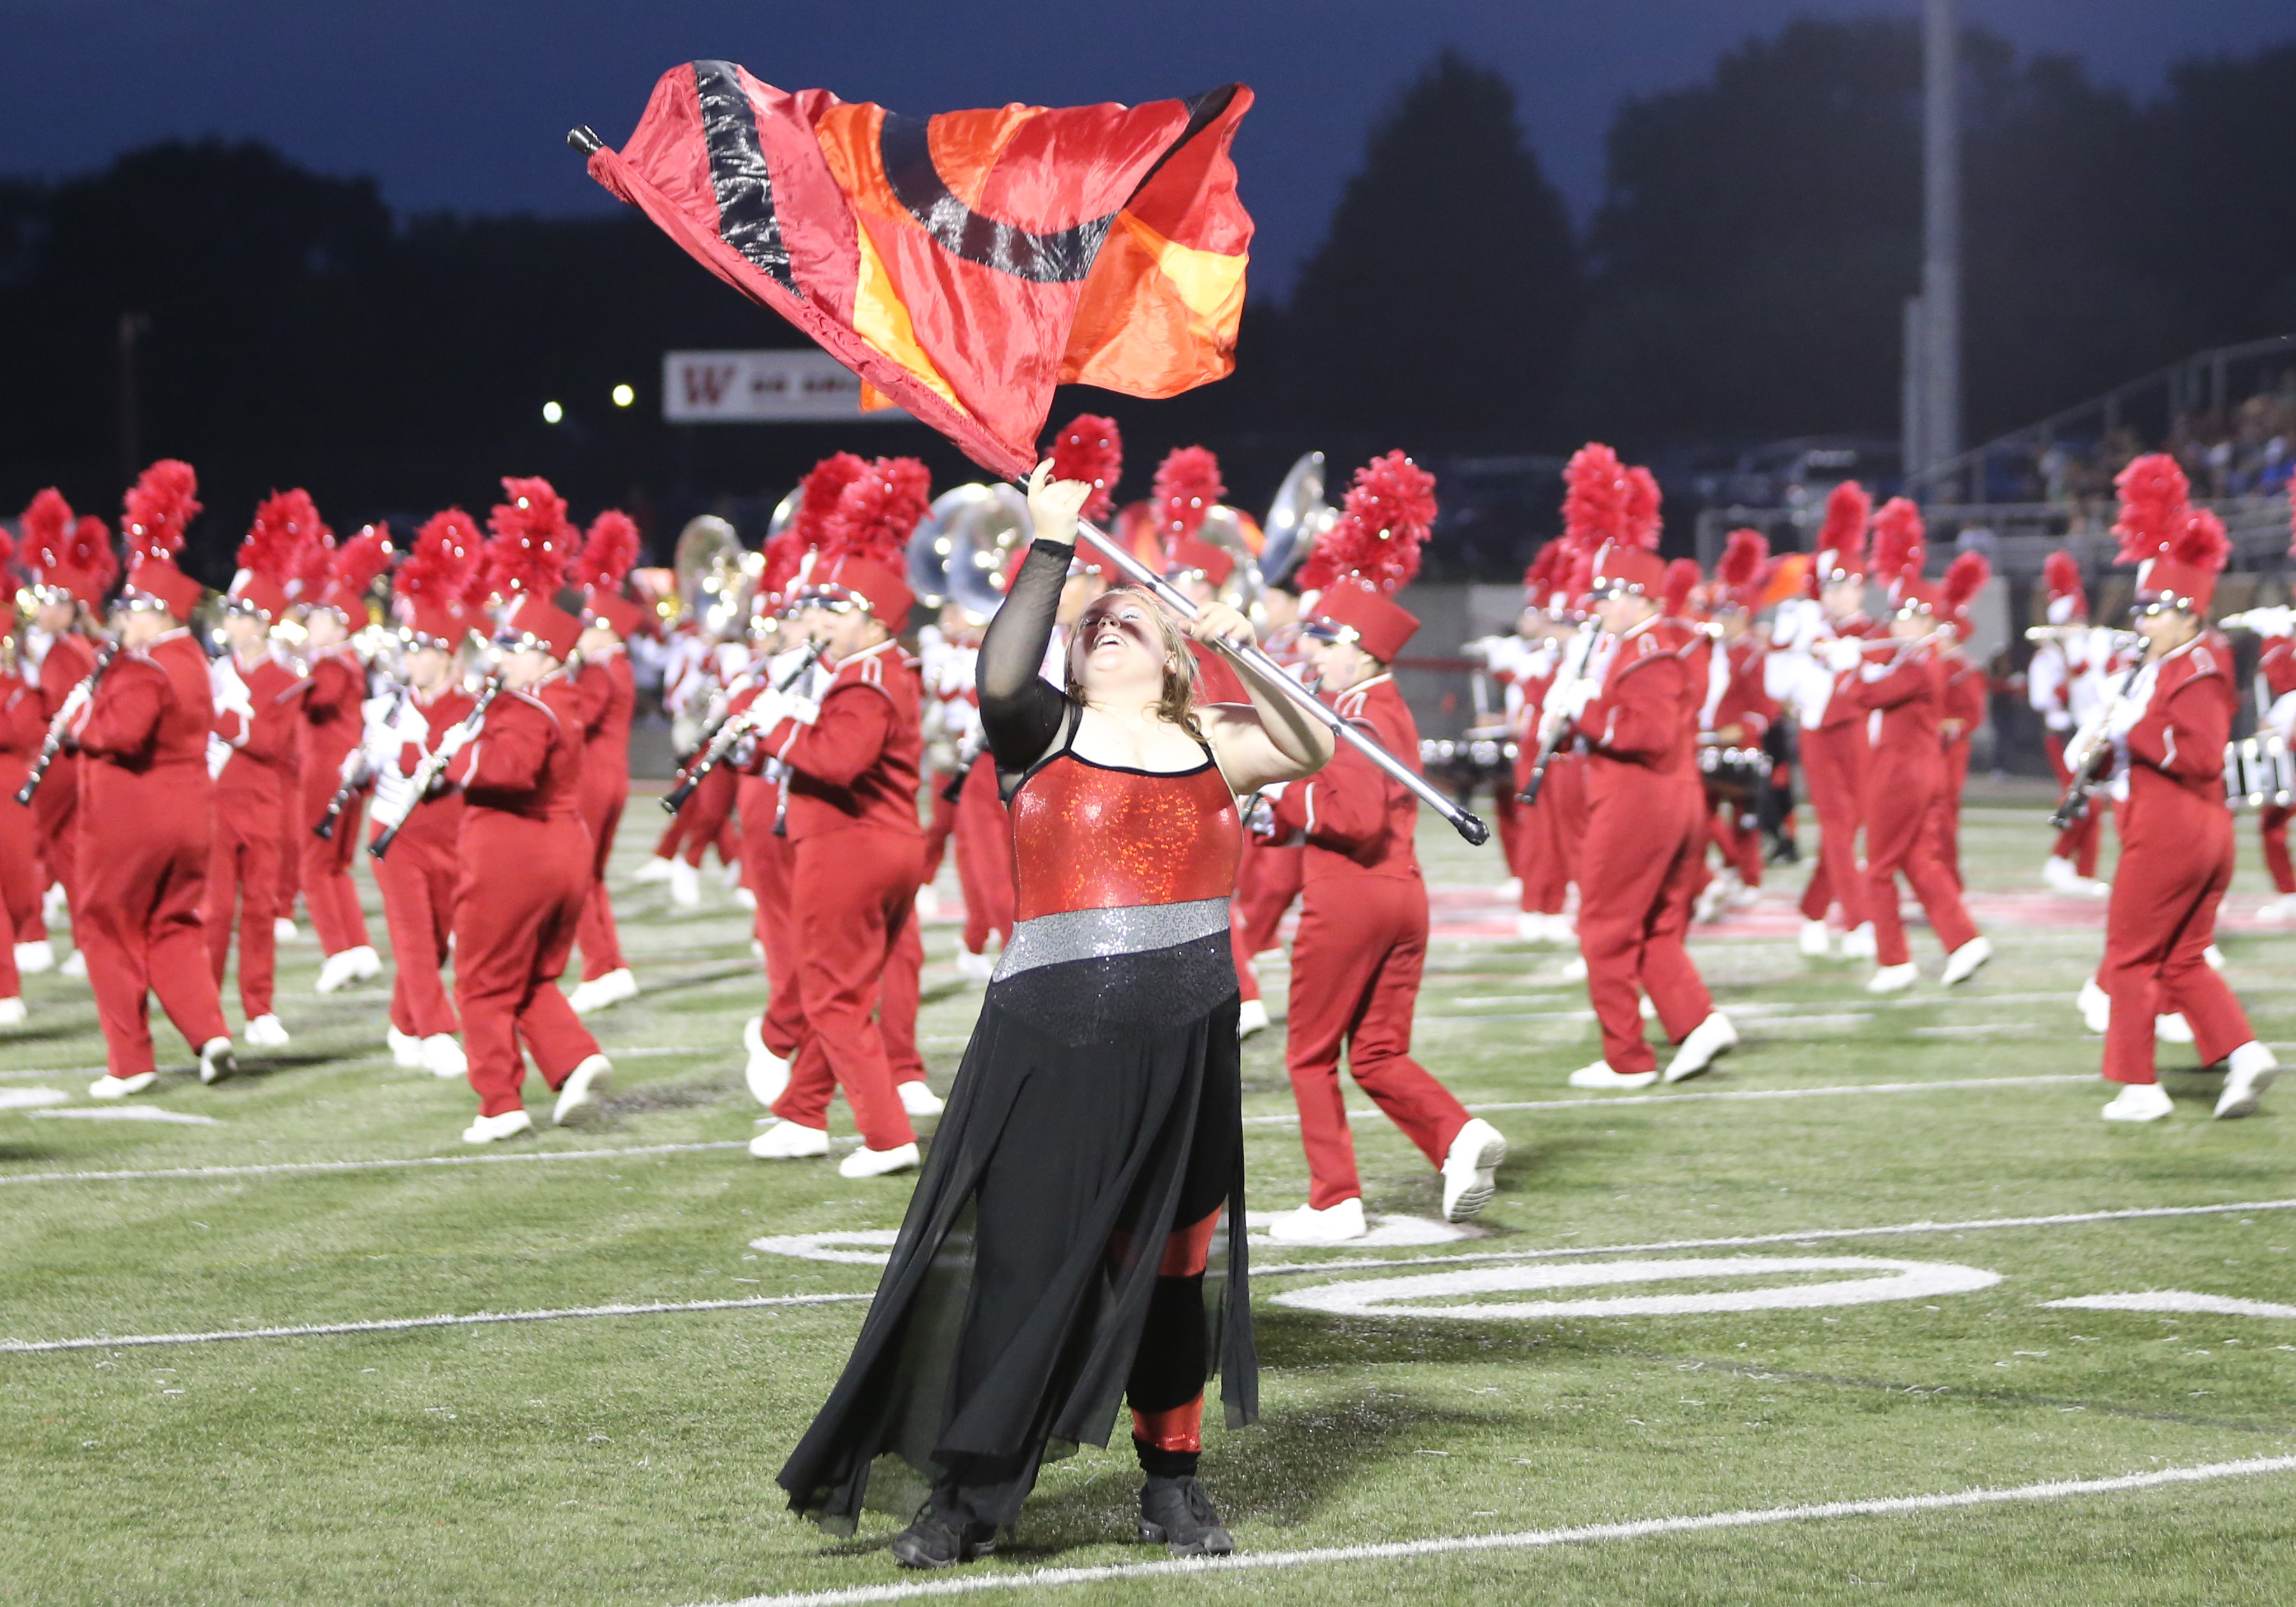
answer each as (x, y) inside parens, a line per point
(1963, 709)
(610, 697)
(1909, 799)
(23, 729)
(332, 694)
(1747, 706)
(420, 877)
(55, 807)
(2278, 665)
(1836, 762)
(257, 780)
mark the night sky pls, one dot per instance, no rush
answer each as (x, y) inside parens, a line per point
(464, 104)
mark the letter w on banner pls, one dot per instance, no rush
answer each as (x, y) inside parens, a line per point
(965, 263)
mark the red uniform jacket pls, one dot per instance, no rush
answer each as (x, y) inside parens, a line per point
(2176, 749)
(333, 693)
(265, 759)
(436, 822)
(610, 697)
(1744, 702)
(23, 729)
(1844, 706)
(68, 660)
(2277, 665)
(857, 763)
(1635, 730)
(147, 729)
(1356, 820)
(1910, 695)
(1963, 698)
(526, 761)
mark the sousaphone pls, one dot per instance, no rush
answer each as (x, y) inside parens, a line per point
(984, 526)
(1297, 519)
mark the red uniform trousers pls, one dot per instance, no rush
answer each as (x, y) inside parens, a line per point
(2078, 842)
(707, 819)
(939, 824)
(1740, 840)
(1554, 836)
(20, 870)
(1946, 823)
(1355, 965)
(899, 997)
(765, 869)
(2162, 914)
(418, 879)
(517, 903)
(1507, 817)
(329, 893)
(291, 848)
(1638, 876)
(602, 805)
(852, 891)
(1834, 765)
(1275, 880)
(1903, 836)
(243, 869)
(984, 858)
(2272, 828)
(55, 819)
(144, 852)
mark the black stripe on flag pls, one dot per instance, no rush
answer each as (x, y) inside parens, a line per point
(1064, 257)
(746, 219)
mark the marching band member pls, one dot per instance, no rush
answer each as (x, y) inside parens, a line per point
(2275, 665)
(1362, 942)
(147, 804)
(609, 621)
(23, 731)
(525, 855)
(2067, 683)
(1962, 704)
(1816, 653)
(420, 876)
(333, 692)
(1550, 829)
(945, 717)
(2167, 727)
(1739, 715)
(72, 566)
(252, 757)
(857, 852)
(1905, 684)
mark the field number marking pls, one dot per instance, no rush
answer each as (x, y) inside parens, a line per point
(1881, 1281)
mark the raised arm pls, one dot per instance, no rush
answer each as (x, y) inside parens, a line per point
(1021, 711)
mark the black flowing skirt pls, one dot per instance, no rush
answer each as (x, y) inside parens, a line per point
(1098, 1108)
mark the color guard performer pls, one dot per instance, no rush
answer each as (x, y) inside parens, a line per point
(1362, 942)
(335, 691)
(2163, 734)
(609, 621)
(147, 805)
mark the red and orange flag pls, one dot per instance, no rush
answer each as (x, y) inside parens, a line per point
(962, 265)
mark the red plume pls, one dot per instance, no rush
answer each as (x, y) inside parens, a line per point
(439, 567)
(1681, 579)
(287, 525)
(1744, 555)
(46, 527)
(877, 511)
(1593, 498)
(2202, 544)
(1847, 507)
(531, 539)
(1382, 524)
(2061, 575)
(1091, 449)
(607, 554)
(2154, 497)
(817, 496)
(159, 506)
(90, 549)
(1643, 498)
(1580, 579)
(1964, 577)
(1187, 487)
(1897, 541)
(1542, 577)
(361, 561)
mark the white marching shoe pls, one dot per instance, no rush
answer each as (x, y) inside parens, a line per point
(602, 993)
(34, 957)
(406, 1049)
(1709, 1041)
(1251, 1017)
(1645, 1009)
(75, 964)
(767, 1073)
(282, 929)
(1599, 1075)
(1532, 927)
(2247, 1073)
(340, 970)
(1574, 969)
(1894, 979)
(973, 967)
(2283, 908)
(787, 1141)
(492, 1129)
(1859, 943)
(1964, 963)
(685, 885)
(928, 902)
(121, 1087)
(579, 1094)
(743, 897)
(655, 869)
(2095, 1007)
(729, 875)
(2214, 956)
(1511, 888)
(1815, 941)
(12, 1013)
(1333, 1225)
(919, 1099)
(1470, 1170)
(53, 903)
(267, 1032)
(2139, 1101)
(2060, 875)
(1716, 898)
(443, 1057)
(879, 1163)
(216, 1061)
(2172, 1029)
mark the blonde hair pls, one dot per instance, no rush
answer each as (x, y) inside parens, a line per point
(1177, 701)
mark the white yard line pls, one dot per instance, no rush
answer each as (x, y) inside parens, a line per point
(2175, 1300)
(283, 1167)
(402, 1324)
(1594, 1100)
(1889, 1506)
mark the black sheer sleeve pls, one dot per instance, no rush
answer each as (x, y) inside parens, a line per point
(1022, 713)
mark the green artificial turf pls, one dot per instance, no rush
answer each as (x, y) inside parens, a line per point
(631, 1458)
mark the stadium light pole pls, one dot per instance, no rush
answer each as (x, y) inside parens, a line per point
(1932, 335)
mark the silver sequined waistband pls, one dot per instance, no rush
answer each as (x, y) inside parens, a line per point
(1092, 934)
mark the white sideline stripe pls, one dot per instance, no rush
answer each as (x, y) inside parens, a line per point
(1045, 1579)
(1676, 1098)
(279, 1167)
(2175, 1300)
(400, 1325)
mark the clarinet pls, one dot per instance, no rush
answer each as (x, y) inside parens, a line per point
(1590, 633)
(426, 773)
(353, 785)
(2095, 757)
(730, 730)
(54, 742)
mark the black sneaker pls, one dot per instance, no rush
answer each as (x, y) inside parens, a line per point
(932, 1541)
(1177, 1513)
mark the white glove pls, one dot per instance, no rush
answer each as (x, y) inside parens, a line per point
(457, 738)
(2058, 720)
(803, 710)
(1842, 653)
(2122, 717)
(231, 695)
(354, 770)
(394, 796)
(1570, 701)
(2276, 621)
(219, 753)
